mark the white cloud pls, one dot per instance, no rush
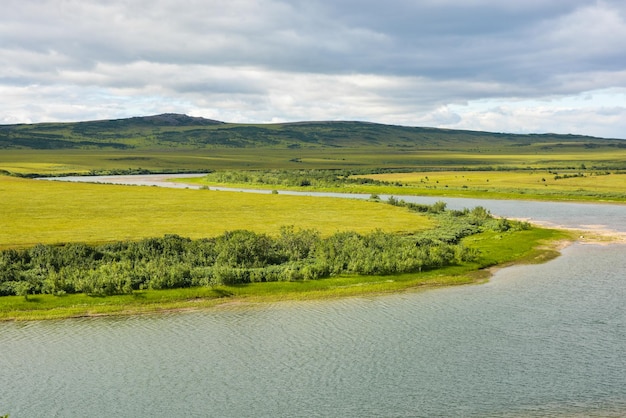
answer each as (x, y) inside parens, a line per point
(452, 63)
(600, 113)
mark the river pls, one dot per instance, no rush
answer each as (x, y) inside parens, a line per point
(539, 341)
(584, 216)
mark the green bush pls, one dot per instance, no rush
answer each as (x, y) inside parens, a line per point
(242, 256)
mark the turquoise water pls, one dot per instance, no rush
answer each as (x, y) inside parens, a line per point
(541, 340)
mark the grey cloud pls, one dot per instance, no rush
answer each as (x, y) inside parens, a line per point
(386, 61)
(479, 40)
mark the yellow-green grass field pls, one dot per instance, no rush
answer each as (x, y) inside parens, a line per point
(61, 161)
(39, 211)
(556, 185)
(48, 212)
(530, 184)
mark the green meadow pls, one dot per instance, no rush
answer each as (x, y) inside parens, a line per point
(557, 184)
(48, 212)
(349, 157)
(85, 161)
(45, 212)
(495, 249)
(180, 143)
(540, 184)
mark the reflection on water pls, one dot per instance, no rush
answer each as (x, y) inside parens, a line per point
(539, 340)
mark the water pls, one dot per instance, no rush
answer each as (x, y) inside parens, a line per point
(536, 341)
(541, 340)
(558, 214)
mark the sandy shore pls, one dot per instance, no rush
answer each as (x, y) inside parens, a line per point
(589, 234)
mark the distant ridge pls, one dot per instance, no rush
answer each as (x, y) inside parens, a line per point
(164, 119)
(174, 119)
(172, 130)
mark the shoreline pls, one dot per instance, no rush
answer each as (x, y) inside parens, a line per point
(206, 299)
(177, 181)
(592, 235)
(209, 298)
(205, 304)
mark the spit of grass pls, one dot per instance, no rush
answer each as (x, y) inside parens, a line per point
(48, 212)
(528, 246)
(569, 184)
(555, 185)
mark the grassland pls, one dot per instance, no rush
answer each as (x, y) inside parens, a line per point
(579, 185)
(503, 165)
(36, 211)
(424, 160)
(177, 142)
(182, 132)
(50, 212)
(555, 185)
(496, 249)
(59, 162)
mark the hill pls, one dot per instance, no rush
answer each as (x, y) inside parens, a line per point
(169, 131)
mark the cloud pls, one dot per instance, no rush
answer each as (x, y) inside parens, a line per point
(601, 112)
(402, 61)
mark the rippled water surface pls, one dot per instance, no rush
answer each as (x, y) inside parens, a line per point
(541, 341)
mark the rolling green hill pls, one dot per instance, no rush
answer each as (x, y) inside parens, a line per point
(180, 143)
(169, 131)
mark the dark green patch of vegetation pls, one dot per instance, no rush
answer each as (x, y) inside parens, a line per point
(242, 256)
(296, 178)
(181, 131)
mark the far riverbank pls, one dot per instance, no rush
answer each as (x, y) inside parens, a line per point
(586, 217)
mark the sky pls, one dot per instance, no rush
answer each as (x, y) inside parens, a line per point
(531, 66)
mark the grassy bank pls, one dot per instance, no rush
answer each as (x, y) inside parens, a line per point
(50, 212)
(528, 246)
(552, 185)
(569, 184)
(35, 211)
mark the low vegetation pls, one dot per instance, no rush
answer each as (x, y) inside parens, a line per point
(46, 212)
(178, 143)
(574, 183)
(83, 249)
(566, 184)
(242, 256)
(211, 269)
(173, 131)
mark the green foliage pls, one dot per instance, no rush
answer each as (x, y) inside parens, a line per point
(438, 207)
(306, 178)
(181, 131)
(490, 248)
(242, 256)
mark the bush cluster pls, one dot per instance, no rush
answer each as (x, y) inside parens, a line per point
(294, 178)
(239, 257)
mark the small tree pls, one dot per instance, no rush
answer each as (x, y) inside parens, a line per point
(438, 207)
(22, 289)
